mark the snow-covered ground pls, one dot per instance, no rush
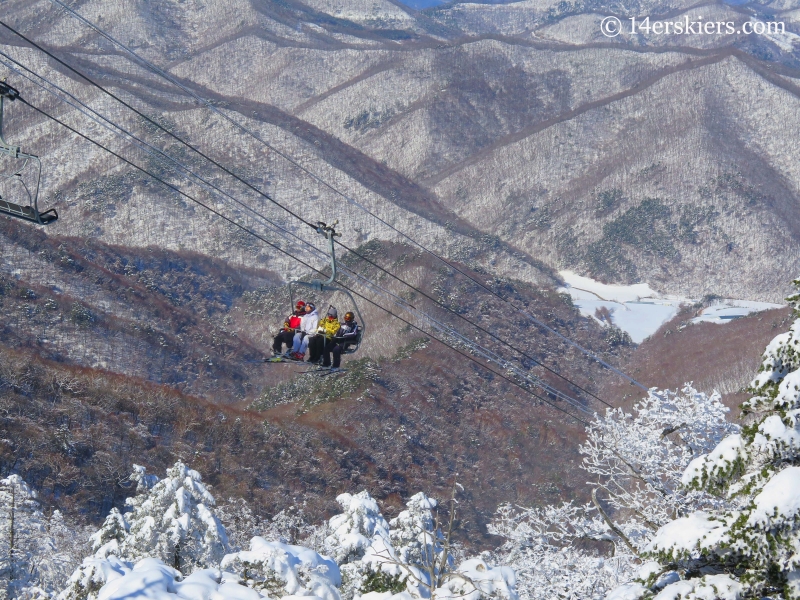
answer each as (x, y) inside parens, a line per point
(724, 311)
(636, 309)
(639, 310)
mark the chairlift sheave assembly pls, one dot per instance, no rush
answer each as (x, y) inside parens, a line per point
(29, 211)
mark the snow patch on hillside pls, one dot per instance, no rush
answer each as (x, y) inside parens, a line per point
(636, 309)
(724, 311)
(372, 11)
(639, 310)
(602, 291)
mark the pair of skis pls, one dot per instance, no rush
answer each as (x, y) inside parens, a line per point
(280, 358)
(323, 371)
(319, 370)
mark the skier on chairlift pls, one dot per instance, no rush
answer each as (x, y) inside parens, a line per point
(308, 327)
(290, 326)
(322, 342)
(319, 336)
(347, 335)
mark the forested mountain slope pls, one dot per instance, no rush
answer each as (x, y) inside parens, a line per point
(452, 124)
(513, 140)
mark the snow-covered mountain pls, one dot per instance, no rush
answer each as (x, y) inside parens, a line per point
(512, 139)
(471, 121)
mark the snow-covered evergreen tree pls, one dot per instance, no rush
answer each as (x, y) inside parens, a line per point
(413, 533)
(637, 460)
(352, 533)
(420, 548)
(751, 549)
(107, 540)
(409, 559)
(174, 521)
(171, 520)
(354, 530)
(104, 561)
(276, 570)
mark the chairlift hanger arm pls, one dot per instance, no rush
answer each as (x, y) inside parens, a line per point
(329, 232)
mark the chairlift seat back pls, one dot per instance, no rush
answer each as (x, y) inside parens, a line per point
(353, 348)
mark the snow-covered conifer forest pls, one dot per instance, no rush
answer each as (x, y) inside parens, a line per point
(685, 504)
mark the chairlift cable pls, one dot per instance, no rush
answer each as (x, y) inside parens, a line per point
(289, 254)
(268, 197)
(210, 106)
(489, 355)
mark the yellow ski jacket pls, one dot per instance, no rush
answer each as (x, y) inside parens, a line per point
(328, 327)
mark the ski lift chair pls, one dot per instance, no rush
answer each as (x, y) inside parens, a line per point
(29, 211)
